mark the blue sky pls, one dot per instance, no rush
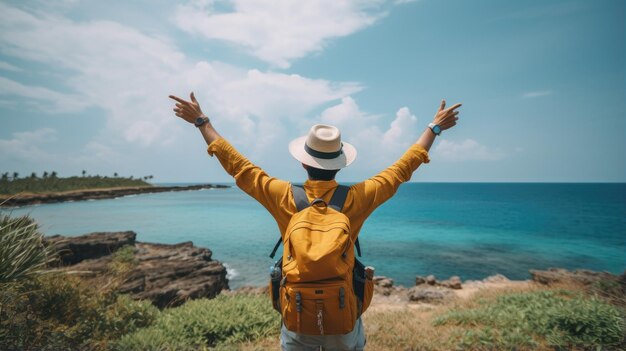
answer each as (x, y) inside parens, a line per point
(84, 85)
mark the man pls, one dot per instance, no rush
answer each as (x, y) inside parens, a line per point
(322, 154)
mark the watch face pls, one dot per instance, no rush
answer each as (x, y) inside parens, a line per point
(199, 121)
(436, 129)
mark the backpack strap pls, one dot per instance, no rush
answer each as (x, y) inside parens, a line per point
(339, 197)
(337, 202)
(300, 198)
(302, 202)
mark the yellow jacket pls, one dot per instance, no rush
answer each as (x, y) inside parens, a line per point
(275, 194)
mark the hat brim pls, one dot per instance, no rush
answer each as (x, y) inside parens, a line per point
(296, 149)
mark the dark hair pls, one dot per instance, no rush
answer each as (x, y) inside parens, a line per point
(320, 174)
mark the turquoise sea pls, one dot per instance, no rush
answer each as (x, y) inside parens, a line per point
(468, 229)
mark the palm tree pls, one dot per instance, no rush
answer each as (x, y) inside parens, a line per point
(84, 172)
(53, 174)
(115, 174)
(33, 175)
(5, 176)
(45, 175)
(15, 175)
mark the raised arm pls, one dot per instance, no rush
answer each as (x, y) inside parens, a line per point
(374, 191)
(190, 111)
(445, 118)
(268, 191)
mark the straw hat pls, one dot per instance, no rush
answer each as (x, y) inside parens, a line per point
(322, 148)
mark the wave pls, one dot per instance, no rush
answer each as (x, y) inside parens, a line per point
(230, 272)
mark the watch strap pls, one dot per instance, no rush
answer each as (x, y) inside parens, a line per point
(201, 121)
(432, 128)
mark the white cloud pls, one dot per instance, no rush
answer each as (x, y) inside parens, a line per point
(402, 127)
(539, 93)
(346, 111)
(467, 150)
(278, 31)
(42, 98)
(9, 67)
(128, 74)
(27, 145)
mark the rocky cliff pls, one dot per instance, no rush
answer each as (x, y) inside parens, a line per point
(167, 275)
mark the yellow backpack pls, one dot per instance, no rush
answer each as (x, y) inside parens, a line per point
(318, 286)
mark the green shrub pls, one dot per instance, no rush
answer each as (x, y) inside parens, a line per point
(22, 252)
(561, 319)
(58, 312)
(123, 260)
(199, 324)
(55, 311)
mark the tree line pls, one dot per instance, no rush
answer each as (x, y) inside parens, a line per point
(7, 176)
(12, 183)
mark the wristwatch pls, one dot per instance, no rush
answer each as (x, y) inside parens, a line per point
(200, 121)
(435, 128)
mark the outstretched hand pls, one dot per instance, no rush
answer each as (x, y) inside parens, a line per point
(187, 110)
(446, 117)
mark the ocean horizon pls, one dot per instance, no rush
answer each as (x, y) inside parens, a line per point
(470, 229)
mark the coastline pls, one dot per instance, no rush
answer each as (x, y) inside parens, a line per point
(157, 282)
(26, 199)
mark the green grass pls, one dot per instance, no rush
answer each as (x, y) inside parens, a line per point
(55, 184)
(559, 319)
(123, 261)
(220, 323)
(60, 312)
(55, 311)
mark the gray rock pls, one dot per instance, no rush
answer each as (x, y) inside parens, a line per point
(429, 294)
(431, 280)
(581, 276)
(383, 281)
(419, 280)
(73, 250)
(498, 278)
(167, 275)
(383, 285)
(453, 283)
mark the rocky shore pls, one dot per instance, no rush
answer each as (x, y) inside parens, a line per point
(94, 194)
(167, 275)
(430, 291)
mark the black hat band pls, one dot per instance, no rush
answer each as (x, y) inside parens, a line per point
(323, 155)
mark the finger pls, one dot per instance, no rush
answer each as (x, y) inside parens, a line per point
(177, 99)
(180, 105)
(443, 104)
(454, 107)
(193, 97)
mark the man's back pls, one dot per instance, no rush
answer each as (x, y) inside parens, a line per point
(322, 149)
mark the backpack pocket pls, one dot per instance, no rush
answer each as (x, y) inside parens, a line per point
(316, 252)
(275, 293)
(368, 295)
(320, 309)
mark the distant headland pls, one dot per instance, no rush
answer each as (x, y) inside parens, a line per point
(49, 188)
